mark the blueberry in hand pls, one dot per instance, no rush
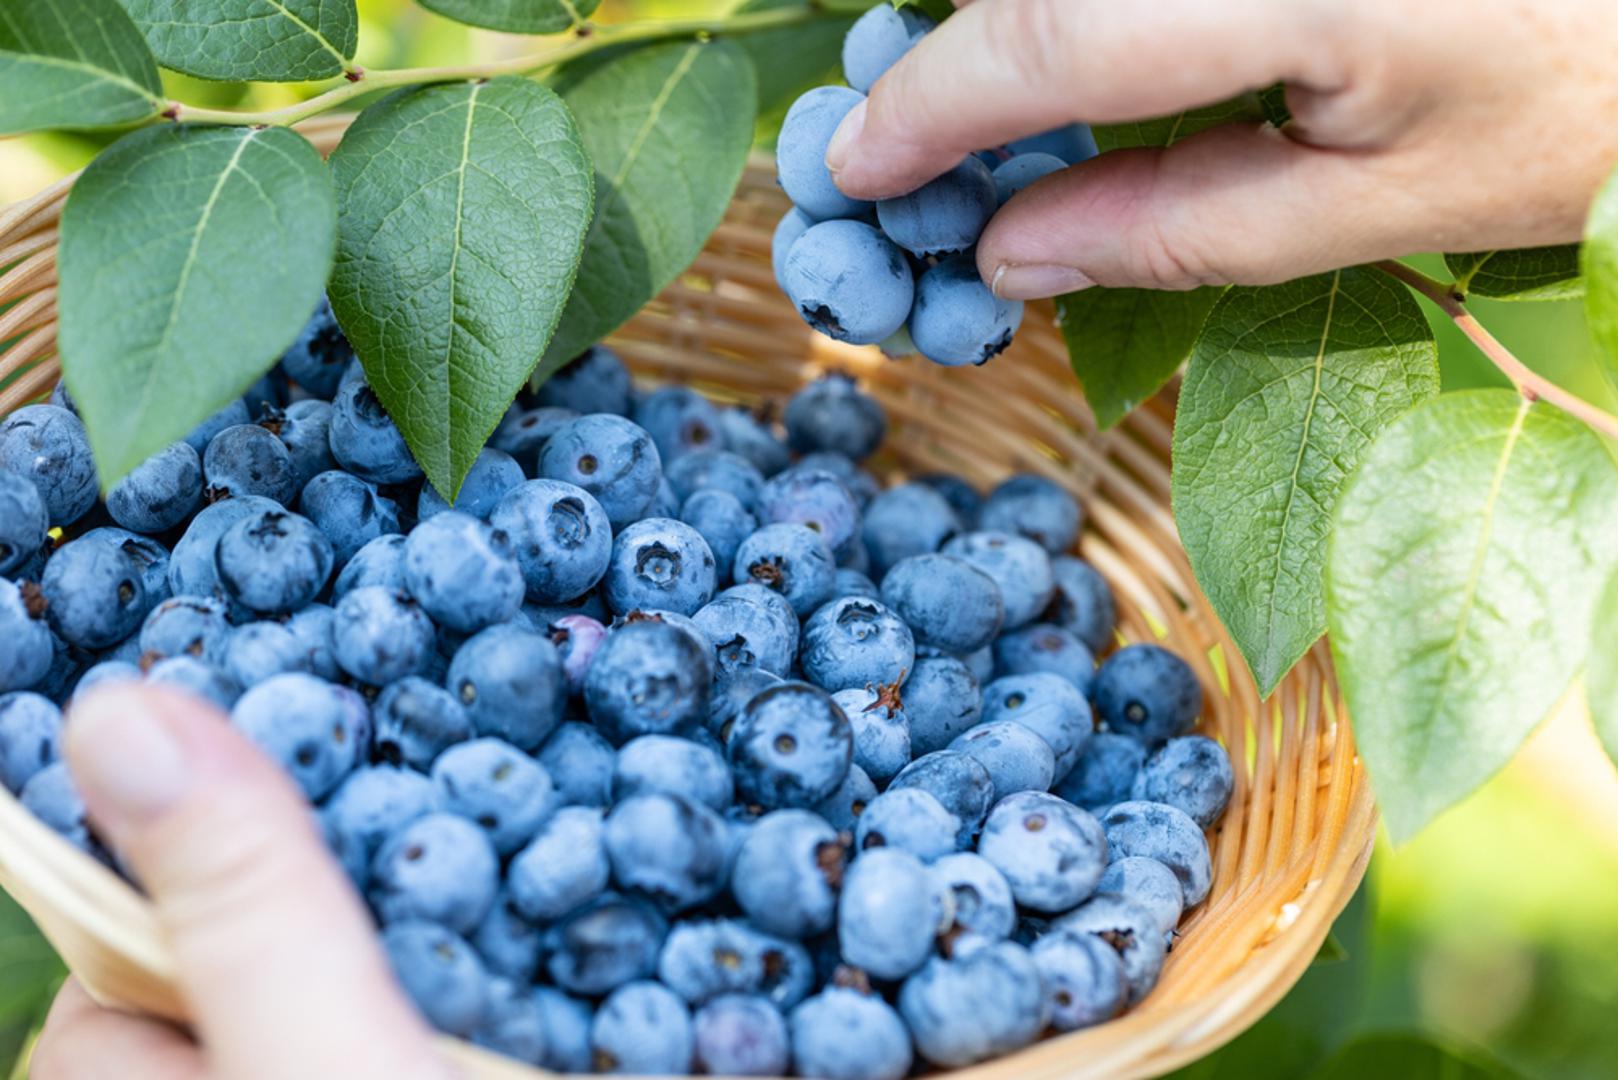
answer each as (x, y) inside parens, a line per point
(944, 216)
(800, 153)
(849, 282)
(957, 320)
(877, 40)
(793, 224)
(1072, 143)
(1016, 173)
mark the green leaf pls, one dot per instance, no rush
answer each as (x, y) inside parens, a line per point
(250, 40)
(793, 59)
(1286, 387)
(1168, 130)
(190, 259)
(463, 214)
(516, 16)
(1601, 672)
(1331, 951)
(30, 973)
(668, 128)
(937, 10)
(1600, 266)
(1542, 273)
(1400, 1055)
(1125, 343)
(73, 63)
(1468, 554)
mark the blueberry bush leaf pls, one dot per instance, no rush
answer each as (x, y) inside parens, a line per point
(1601, 672)
(1168, 130)
(250, 40)
(1600, 266)
(1285, 389)
(516, 16)
(1469, 552)
(190, 259)
(1542, 273)
(668, 128)
(1124, 344)
(463, 210)
(73, 63)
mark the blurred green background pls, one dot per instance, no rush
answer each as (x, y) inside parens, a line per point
(1487, 947)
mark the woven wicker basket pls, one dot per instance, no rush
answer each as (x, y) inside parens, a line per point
(1288, 854)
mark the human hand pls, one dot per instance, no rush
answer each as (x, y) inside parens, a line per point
(1435, 126)
(276, 959)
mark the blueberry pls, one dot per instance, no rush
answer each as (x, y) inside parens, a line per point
(161, 492)
(439, 867)
(910, 519)
(980, 1005)
(1162, 832)
(96, 591)
(1016, 757)
(1034, 507)
(514, 1023)
(911, 820)
(943, 216)
(380, 636)
(722, 522)
(650, 677)
(1045, 647)
(1052, 853)
(791, 560)
(889, 913)
(609, 457)
(197, 678)
(962, 497)
(854, 583)
(23, 521)
(790, 746)
(793, 224)
(719, 470)
(604, 944)
(787, 873)
(492, 784)
(849, 281)
(1047, 705)
(379, 562)
(959, 782)
(316, 731)
(510, 682)
(1191, 773)
(815, 498)
(753, 437)
(440, 973)
(842, 1034)
(416, 721)
(51, 796)
(1020, 567)
(259, 650)
(1147, 692)
(957, 319)
(365, 440)
(48, 446)
(680, 421)
(349, 511)
(733, 688)
(1072, 144)
(667, 848)
(62, 397)
(595, 381)
(856, 642)
(1104, 773)
(561, 537)
(249, 460)
(942, 700)
(563, 866)
(740, 1035)
(843, 807)
(948, 602)
(312, 627)
(877, 40)
(881, 729)
(230, 415)
(981, 897)
(581, 764)
(273, 561)
(567, 1030)
(642, 1028)
(800, 153)
(659, 563)
(1131, 931)
(1083, 602)
(268, 395)
(30, 737)
(107, 672)
(1083, 977)
(833, 414)
(320, 355)
(463, 572)
(524, 432)
(1016, 173)
(494, 473)
(653, 764)
(192, 570)
(369, 806)
(1150, 884)
(23, 627)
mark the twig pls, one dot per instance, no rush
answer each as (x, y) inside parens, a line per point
(1529, 383)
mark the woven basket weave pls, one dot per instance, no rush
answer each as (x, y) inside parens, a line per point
(1289, 852)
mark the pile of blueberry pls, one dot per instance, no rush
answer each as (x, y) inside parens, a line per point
(674, 744)
(899, 272)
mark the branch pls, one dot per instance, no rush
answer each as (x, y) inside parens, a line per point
(587, 39)
(1529, 383)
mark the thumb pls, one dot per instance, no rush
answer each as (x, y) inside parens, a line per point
(1241, 204)
(277, 959)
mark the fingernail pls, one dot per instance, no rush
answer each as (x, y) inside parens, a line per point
(125, 759)
(844, 138)
(1036, 281)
